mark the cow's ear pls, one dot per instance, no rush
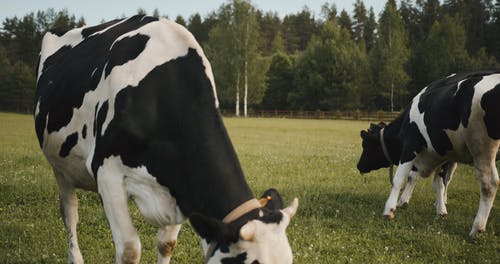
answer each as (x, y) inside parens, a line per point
(212, 229)
(271, 199)
(363, 134)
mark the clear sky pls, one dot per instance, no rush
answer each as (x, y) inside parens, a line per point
(94, 11)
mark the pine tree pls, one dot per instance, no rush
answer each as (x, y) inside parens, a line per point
(444, 50)
(180, 20)
(369, 30)
(345, 21)
(279, 82)
(474, 15)
(5, 82)
(493, 32)
(297, 30)
(22, 38)
(156, 13)
(360, 21)
(331, 73)
(329, 12)
(270, 25)
(431, 12)
(412, 18)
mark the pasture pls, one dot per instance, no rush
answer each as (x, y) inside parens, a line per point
(339, 218)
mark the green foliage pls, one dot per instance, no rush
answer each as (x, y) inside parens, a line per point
(20, 41)
(257, 78)
(62, 19)
(339, 219)
(481, 60)
(199, 28)
(279, 82)
(407, 48)
(493, 32)
(5, 80)
(156, 13)
(364, 25)
(221, 54)
(17, 85)
(388, 59)
(22, 38)
(474, 15)
(369, 30)
(444, 51)
(23, 83)
(180, 20)
(271, 37)
(345, 21)
(430, 14)
(141, 11)
(412, 18)
(298, 30)
(330, 73)
(329, 12)
(233, 50)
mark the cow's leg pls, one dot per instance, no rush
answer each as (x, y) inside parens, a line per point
(404, 200)
(440, 185)
(115, 202)
(69, 213)
(488, 179)
(167, 239)
(401, 172)
(452, 166)
(440, 190)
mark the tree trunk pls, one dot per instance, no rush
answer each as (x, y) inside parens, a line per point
(245, 97)
(246, 89)
(237, 94)
(392, 77)
(392, 95)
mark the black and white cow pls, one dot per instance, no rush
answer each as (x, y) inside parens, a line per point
(128, 108)
(375, 144)
(455, 119)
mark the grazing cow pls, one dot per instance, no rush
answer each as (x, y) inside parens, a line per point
(128, 108)
(374, 144)
(452, 120)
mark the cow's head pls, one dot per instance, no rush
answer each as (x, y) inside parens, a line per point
(257, 237)
(373, 157)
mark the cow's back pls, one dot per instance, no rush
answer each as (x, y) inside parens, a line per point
(80, 74)
(445, 109)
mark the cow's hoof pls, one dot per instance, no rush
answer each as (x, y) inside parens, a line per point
(403, 205)
(390, 215)
(475, 233)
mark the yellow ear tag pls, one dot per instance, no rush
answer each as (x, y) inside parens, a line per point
(264, 200)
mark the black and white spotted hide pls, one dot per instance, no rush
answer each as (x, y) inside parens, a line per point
(129, 109)
(256, 237)
(453, 120)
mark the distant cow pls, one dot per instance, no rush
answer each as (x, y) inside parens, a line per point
(128, 108)
(442, 176)
(455, 119)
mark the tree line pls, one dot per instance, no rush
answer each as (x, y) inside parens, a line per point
(332, 61)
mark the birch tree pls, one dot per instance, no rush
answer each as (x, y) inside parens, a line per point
(233, 44)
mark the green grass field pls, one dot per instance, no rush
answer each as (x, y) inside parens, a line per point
(339, 218)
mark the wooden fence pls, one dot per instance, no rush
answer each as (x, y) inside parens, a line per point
(339, 115)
